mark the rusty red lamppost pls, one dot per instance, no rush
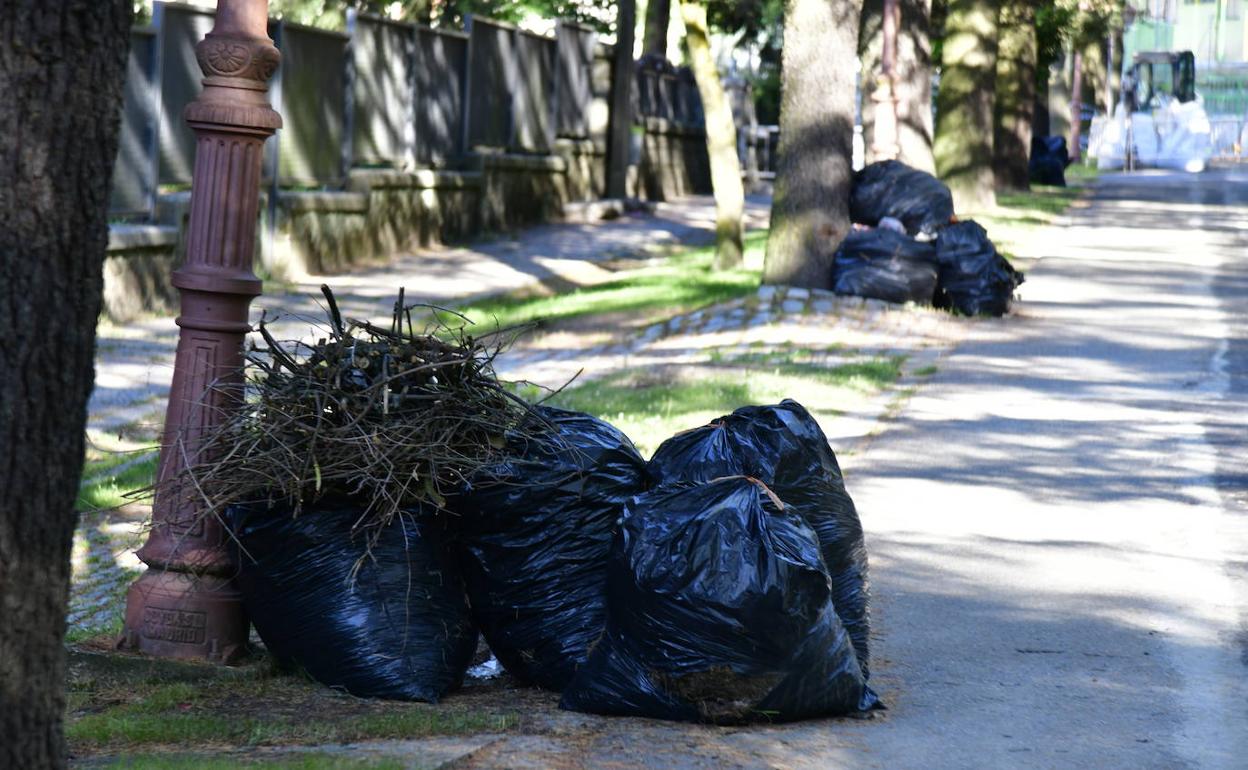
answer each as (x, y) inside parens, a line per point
(884, 141)
(185, 605)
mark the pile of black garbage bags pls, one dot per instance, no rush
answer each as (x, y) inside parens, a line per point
(912, 249)
(723, 581)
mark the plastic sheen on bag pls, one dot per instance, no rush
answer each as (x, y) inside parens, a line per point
(784, 447)
(534, 543)
(1048, 161)
(882, 264)
(718, 610)
(890, 188)
(974, 278)
(386, 621)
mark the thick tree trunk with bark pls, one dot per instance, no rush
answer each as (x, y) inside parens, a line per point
(721, 139)
(914, 78)
(62, 64)
(658, 16)
(964, 104)
(1016, 95)
(810, 208)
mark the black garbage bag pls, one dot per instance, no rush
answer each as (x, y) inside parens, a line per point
(784, 447)
(974, 278)
(718, 610)
(535, 535)
(386, 620)
(886, 265)
(890, 188)
(1049, 159)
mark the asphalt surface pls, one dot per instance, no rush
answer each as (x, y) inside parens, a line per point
(1057, 522)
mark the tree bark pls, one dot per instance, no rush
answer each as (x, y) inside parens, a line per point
(658, 15)
(62, 64)
(810, 208)
(619, 131)
(914, 79)
(721, 139)
(1016, 96)
(964, 104)
(1076, 107)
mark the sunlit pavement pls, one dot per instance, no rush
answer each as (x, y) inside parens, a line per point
(1058, 523)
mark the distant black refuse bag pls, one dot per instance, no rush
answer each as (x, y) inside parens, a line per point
(389, 623)
(974, 278)
(886, 265)
(1049, 159)
(784, 447)
(718, 610)
(535, 532)
(890, 188)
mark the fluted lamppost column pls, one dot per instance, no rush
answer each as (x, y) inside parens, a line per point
(185, 605)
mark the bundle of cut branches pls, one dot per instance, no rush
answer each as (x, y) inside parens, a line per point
(389, 417)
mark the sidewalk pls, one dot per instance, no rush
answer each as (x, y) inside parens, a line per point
(1058, 528)
(134, 362)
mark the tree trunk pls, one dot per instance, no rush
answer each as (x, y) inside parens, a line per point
(620, 125)
(62, 65)
(1016, 95)
(914, 79)
(1076, 107)
(721, 139)
(810, 209)
(658, 15)
(1058, 100)
(964, 104)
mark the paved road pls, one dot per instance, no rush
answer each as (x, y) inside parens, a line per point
(1059, 522)
(1058, 525)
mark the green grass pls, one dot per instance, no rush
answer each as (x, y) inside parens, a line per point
(102, 489)
(681, 283)
(926, 371)
(650, 406)
(1081, 172)
(309, 761)
(123, 703)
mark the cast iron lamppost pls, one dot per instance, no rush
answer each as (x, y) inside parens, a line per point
(884, 144)
(185, 605)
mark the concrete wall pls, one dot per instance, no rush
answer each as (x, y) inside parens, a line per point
(383, 212)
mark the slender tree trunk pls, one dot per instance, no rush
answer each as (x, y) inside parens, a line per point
(658, 15)
(810, 209)
(1016, 95)
(721, 139)
(1076, 107)
(620, 125)
(62, 64)
(914, 78)
(964, 104)
(1058, 98)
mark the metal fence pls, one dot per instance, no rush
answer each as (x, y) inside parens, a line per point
(1230, 135)
(382, 93)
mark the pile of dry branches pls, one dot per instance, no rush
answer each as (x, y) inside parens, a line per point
(389, 418)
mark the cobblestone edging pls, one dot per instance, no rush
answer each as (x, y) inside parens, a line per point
(833, 329)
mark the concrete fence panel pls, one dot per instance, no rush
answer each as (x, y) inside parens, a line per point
(134, 175)
(384, 59)
(440, 74)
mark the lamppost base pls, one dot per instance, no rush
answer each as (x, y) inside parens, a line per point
(182, 615)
